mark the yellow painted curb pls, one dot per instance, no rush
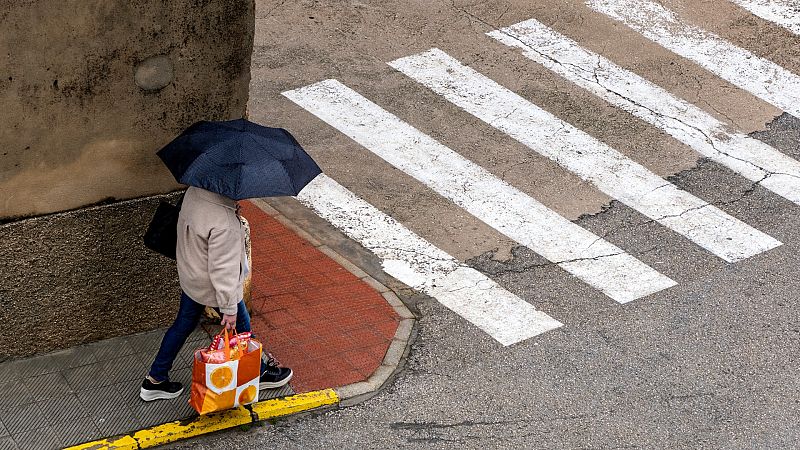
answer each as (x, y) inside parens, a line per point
(209, 423)
(174, 431)
(289, 405)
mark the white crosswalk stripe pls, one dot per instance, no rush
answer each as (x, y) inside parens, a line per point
(592, 160)
(687, 123)
(785, 13)
(424, 267)
(578, 251)
(761, 77)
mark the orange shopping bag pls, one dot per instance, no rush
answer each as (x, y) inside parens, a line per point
(226, 378)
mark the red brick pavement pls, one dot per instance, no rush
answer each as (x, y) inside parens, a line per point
(316, 317)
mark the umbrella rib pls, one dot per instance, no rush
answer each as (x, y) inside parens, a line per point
(291, 179)
(193, 166)
(250, 136)
(294, 157)
(241, 172)
(297, 157)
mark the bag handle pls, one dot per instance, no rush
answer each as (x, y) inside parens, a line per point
(226, 339)
(226, 344)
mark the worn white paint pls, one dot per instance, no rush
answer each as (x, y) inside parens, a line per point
(592, 160)
(761, 77)
(424, 267)
(684, 121)
(505, 208)
(785, 13)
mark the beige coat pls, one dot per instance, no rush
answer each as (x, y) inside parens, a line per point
(211, 250)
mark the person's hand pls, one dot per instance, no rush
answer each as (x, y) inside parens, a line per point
(228, 321)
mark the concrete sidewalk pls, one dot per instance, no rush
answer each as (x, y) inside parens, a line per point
(315, 311)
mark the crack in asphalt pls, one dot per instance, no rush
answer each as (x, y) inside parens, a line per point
(473, 286)
(513, 167)
(470, 15)
(461, 440)
(434, 430)
(511, 429)
(476, 262)
(436, 425)
(700, 97)
(455, 264)
(272, 10)
(631, 224)
(419, 253)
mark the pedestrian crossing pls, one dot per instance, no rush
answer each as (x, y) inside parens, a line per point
(501, 206)
(600, 264)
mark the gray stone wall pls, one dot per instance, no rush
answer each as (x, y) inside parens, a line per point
(82, 276)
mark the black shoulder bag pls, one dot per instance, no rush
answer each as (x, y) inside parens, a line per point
(162, 233)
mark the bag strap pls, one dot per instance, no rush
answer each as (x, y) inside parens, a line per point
(226, 344)
(180, 200)
(226, 340)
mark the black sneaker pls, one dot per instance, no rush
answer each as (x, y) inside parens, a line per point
(160, 391)
(273, 375)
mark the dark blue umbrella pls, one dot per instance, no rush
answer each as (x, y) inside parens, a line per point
(239, 159)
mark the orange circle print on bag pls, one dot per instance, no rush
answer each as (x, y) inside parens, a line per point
(221, 377)
(247, 395)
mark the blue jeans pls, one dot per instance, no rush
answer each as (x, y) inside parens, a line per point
(188, 317)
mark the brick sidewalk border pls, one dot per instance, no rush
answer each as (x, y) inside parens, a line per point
(317, 312)
(398, 346)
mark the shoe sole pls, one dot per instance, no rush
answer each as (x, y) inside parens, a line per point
(275, 384)
(149, 396)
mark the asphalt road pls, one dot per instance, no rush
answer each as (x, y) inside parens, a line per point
(708, 363)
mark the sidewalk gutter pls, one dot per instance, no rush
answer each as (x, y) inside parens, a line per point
(174, 431)
(281, 407)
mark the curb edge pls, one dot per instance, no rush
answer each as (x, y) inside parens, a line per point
(181, 429)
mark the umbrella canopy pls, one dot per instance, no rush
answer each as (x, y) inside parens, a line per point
(239, 159)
